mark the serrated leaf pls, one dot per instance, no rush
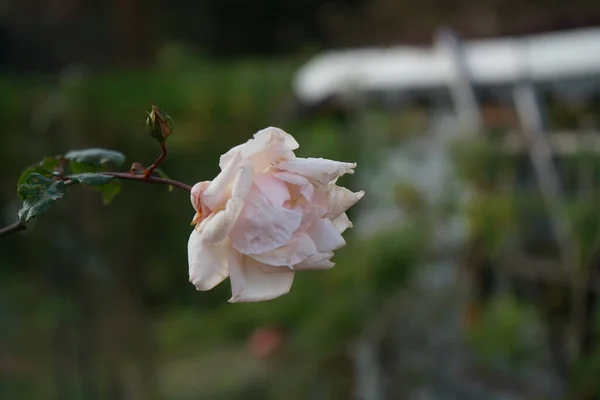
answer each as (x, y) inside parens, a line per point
(34, 169)
(96, 156)
(91, 179)
(39, 193)
(161, 173)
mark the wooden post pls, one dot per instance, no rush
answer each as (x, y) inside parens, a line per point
(461, 87)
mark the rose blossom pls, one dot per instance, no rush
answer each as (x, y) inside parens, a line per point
(266, 215)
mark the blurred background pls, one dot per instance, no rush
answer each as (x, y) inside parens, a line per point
(472, 268)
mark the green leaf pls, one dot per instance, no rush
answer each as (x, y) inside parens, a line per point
(96, 156)
(161, 173)
(35, 183)
(50, 163)
(44, 167)
(39, 193)
(106, 184)
(109, 189)
(91, 179)
(34, 169)
(81, 168)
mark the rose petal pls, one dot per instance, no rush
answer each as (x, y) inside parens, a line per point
(196, 193)
(309, 215)
(290, 254)
(202, 211)
(254, 281)
(322, 170)
(261, 226)
(215, 195)
(342, 223)
(305, 188)
(274, 189)
(267, 146)
(222, 222)
(273, 136)
(316, 261)
(207, 263)
(325, 235)
(339, 199)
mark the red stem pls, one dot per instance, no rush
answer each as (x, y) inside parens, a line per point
(161, 157)
(19, 226)
(147, 177)
(150, 179)
(16, 227)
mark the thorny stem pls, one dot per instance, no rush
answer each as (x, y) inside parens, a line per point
(161, 157)
(129, 176)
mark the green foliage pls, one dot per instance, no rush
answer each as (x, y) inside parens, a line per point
(408, 195)
(39, 193)
(394, 257)
(109, 191)
(39, 187)
(482, 161)
(508, 333)
(96, 157)
(585, 224)
(585, 376)
(492, 219)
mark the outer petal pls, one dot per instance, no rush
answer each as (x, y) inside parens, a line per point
(316, 261)
(276, 136)
(342, 223)
(340, 199)
(207, 263)
(253, 281)
(196, 194)
(319, 169)
(267, 146)
(325, 235)
(290, 254)
(215, 195)
(202, 211)
(263, 226)
(222, 222)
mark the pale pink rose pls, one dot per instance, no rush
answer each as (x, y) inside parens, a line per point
(267, 215)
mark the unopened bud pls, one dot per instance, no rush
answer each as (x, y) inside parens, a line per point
(158, 124)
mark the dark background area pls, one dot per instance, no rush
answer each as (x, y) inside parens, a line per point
(130, 32)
